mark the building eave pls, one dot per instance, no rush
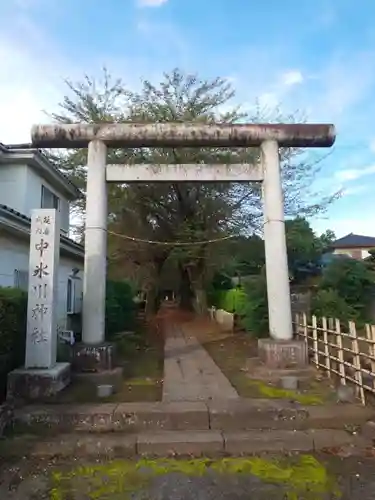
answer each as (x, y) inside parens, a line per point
(35, 159)
(16, 222)
(352, 247)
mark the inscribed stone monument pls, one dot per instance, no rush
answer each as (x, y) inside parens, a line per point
(41, 376)
(41, 338)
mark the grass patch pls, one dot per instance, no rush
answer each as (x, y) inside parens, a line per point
(300, 477)
(232, 353)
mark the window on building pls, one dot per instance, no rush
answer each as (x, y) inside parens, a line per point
(21, 279)
(64, 215)
(49, 199)
(70, 297)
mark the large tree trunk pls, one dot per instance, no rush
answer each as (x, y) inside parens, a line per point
(185, 293)
(153, 293)
(200, 301)
(152, 304)
(196, 275)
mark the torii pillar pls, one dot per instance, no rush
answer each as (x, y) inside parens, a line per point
(280, 350)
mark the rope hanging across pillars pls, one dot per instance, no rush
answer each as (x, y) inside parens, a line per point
(171, 243)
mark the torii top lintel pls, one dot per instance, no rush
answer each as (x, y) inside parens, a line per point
(173, 134)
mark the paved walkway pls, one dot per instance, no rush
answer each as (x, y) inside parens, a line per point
(190, 374)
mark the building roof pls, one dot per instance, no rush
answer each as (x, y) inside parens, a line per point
(35, 158)
(354, 241)
(11, 214)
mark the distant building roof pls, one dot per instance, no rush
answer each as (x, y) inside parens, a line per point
(354, 241)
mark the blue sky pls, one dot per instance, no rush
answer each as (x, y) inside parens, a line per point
(316, 57)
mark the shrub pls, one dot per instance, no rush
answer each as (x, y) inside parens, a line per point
(354, 283)
(13, 318)
(120, 307)
(255, 312)
(328, 303)
(221, 282)
(234, 301)
(215, 298)
(217, 289)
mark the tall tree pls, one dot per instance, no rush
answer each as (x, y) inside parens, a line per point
(327, 238)
(194, 212)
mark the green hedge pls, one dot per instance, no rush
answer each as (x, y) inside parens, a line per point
(233, 300)
(120, 308)
(255, 315)
(13, 318)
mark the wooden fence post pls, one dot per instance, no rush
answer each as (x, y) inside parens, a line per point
(357, 362)
(326, 347)
(370, 334)
(296, 324)
(305, 330)
(340, 352)
(315, 341)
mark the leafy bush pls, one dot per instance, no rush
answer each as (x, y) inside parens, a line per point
(354, 283)
(221, 282)
(255, 312)
(119, 307)
(215, 298)
(234, 301)
(328, 303)
(217, 289)
(13, 317)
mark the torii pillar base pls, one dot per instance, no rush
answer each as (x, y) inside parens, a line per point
(93, 358)
(283, 354)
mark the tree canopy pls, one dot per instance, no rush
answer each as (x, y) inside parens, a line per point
(304, 247)
(191, 212)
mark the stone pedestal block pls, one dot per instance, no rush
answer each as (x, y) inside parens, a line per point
(6, 416)
(282, 354)
(93, 358)
(38, 383)
(112, 377)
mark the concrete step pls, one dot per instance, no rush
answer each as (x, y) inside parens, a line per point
(234, 415)
(180, 443)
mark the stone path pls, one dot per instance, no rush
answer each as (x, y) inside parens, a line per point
(190, 373)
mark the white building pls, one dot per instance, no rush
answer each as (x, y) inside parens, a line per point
(28, 180)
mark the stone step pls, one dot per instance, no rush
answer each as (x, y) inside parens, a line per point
(180, 443)
(235, 415)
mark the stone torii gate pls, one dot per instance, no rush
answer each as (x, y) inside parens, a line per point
(269, 137)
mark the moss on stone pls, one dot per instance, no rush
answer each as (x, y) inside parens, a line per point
(139, 381)
(272, 392)
(300, 477)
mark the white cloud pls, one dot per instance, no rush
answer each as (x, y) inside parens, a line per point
(354, 190)
(344, 83)
(151, 3)
(28, 86)
(292, 77)
(268, 100)
(363, 224)
(372, 145)
(354, 173)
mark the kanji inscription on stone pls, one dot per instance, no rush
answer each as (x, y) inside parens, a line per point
(41, 338)
(41, 270)
(41, 246)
